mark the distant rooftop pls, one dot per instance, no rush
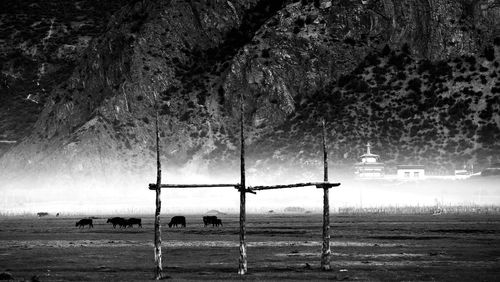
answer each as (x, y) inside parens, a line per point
(368, 157)
(411, 167)
(368, 152)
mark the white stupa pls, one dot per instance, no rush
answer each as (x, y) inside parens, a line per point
(370, 165)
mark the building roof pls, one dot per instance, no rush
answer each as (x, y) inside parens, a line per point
(411, 167)
(369, 155)
(368, 152)
(369, 164)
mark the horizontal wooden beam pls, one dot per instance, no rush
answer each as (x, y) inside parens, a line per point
(317, 184)
(250, 189)
(327, 185)
(152, 186)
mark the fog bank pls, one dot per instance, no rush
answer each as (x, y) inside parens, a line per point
(130, 194)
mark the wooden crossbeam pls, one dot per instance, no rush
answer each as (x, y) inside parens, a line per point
(152, 186)
(250, 189)
(247, 190)
(327, 185)
(295, 185)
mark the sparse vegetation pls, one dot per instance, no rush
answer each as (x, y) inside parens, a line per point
(391, 86)
(286, 245)
(489, 53)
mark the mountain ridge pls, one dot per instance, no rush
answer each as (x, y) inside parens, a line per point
(196, 57)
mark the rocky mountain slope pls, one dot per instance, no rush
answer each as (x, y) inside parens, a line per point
(417, 77)
(40, 43)
(442, 114)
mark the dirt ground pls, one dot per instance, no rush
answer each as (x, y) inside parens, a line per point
(364, 247)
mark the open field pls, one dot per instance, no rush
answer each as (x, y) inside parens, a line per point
(364, 247)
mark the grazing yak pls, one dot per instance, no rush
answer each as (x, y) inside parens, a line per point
(212, 219)
(82, 222)
(218, 222)
(176, 220)
(131, 221)
(117, 221)
(209, 220)
(40, 214)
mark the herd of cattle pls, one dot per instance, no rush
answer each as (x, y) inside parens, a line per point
(122, 222)
(130, 222)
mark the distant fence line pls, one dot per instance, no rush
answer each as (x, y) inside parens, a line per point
(441, 209)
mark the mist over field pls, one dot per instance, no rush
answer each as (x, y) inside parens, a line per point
(127, 194)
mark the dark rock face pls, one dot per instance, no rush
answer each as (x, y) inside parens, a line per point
(40, 42)
(293, 64)
(438, 29)
(172, 51)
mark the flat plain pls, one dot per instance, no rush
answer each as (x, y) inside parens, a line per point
(365, 247)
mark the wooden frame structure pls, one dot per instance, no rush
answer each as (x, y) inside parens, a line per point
(243, 189)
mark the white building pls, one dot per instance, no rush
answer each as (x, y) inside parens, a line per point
(370, 165)
(411, 171)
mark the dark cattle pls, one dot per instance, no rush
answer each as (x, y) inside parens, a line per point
(117, 221)
(86, 221)
(218, 222)
(131, 221)
(57, 215)
(40, 214)
(209, 220)
(6, 276)
(176, 220)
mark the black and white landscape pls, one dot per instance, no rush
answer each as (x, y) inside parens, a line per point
(409, 91)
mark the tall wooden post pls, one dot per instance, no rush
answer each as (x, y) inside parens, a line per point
(158, 264)
(242, 265)
(325, 250)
